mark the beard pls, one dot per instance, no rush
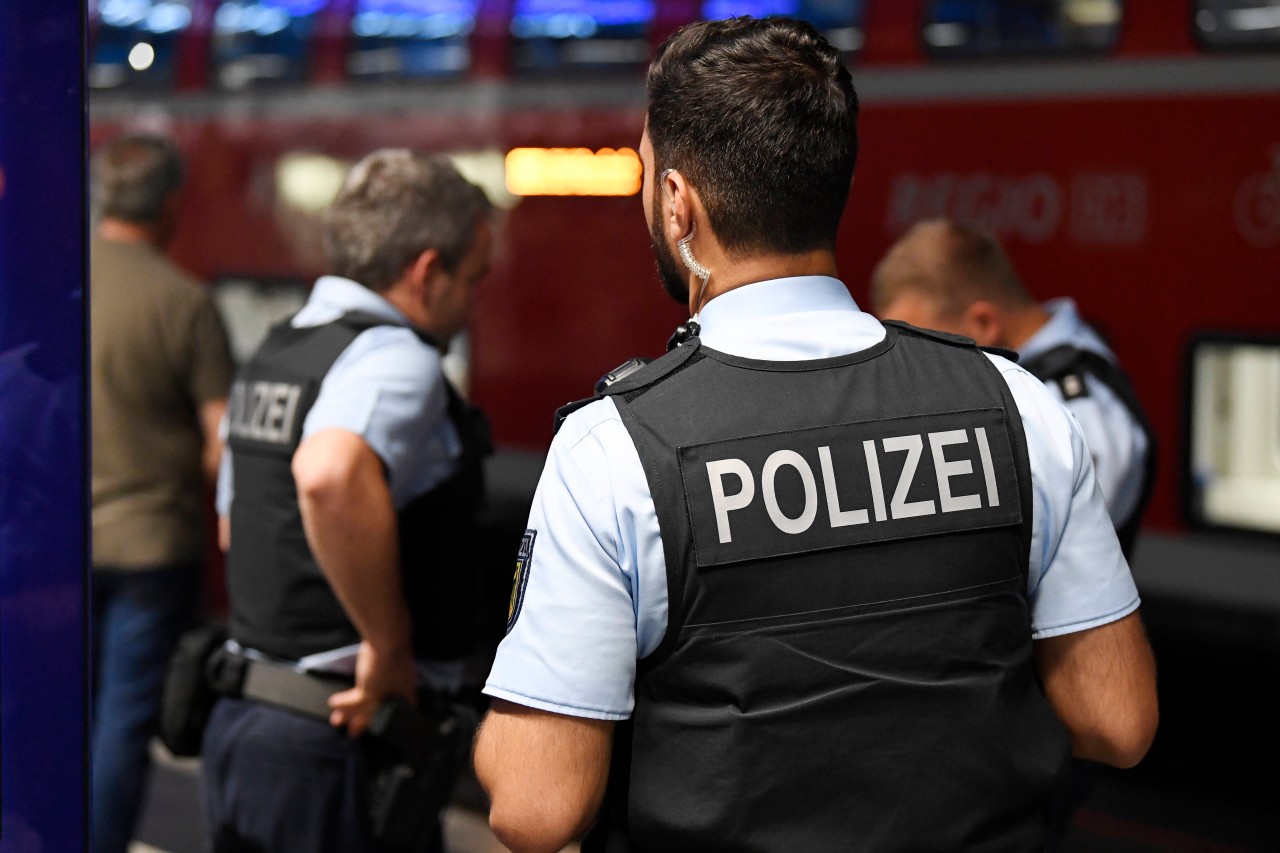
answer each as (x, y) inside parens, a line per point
(670, 272)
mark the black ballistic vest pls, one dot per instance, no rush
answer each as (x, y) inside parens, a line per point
(847, 664)
(281, 603)
(1067, 366)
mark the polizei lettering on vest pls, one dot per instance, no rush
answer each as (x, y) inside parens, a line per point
(900, 506)
(264, 411)
(765, 495)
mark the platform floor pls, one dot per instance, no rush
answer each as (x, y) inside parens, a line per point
(1209, 784)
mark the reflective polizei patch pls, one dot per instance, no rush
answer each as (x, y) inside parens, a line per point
(784, 493)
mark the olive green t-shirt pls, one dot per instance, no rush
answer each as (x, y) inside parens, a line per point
(157, 352)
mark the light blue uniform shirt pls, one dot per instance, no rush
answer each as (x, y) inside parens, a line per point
(386, 387)
(595, 599)
(1116, 441)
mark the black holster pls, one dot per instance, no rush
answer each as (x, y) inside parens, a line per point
(413, 758)
(188, 694)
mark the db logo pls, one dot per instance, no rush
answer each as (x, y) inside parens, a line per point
(1257, 206)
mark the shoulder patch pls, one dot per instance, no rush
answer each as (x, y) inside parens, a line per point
(524, 559)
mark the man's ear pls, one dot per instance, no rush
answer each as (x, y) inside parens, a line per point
(423, 275)
(678, 202)
(984, 322)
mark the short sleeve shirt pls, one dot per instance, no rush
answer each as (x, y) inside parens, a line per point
(1116, 440)
(595, 595)
(386, 387)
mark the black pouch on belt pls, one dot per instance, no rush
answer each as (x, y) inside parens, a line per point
(188, 696)
(414, 756)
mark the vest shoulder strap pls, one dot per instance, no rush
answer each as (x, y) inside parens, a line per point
(1059, 361)
(948, 338)
(633, 377)
(1067, 365)
(1063, 362)
(931, 334)
(334, 336)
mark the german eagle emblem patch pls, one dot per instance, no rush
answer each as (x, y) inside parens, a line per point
(521, 580)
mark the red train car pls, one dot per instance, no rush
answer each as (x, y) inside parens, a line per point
(1127, 153)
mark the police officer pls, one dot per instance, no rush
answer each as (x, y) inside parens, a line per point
(353, 482)
(955, 277)
(807, 582)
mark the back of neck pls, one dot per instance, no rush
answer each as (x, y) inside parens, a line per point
(731, 274)
(1023, 325)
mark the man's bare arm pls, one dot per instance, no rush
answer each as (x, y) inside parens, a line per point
(545, 774)
(211, 412)
(1102, 684)
(350, 523)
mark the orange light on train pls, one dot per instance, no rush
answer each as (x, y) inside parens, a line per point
(573, 171)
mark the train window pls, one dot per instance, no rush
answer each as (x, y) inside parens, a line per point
(410, 38)
(581, 34)
(1234, 433)
(1238, 23)
(976, 28)
(262, 41)
(135, 42)
(840, 21)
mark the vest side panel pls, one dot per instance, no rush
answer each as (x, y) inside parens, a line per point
(281, 602)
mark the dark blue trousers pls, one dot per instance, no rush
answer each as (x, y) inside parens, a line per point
(279, 782)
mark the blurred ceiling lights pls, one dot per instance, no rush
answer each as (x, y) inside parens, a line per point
(1092, 13)
(573, 171)
(309, 182)
(142, 56)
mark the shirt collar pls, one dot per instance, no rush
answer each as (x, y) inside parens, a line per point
(788, 319)
(767, 299)
(332, 296)
(1064, 327)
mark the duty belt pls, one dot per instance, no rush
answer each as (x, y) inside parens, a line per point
(274, 683)
(412, 755)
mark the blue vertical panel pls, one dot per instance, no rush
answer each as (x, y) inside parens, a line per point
(42, 429)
